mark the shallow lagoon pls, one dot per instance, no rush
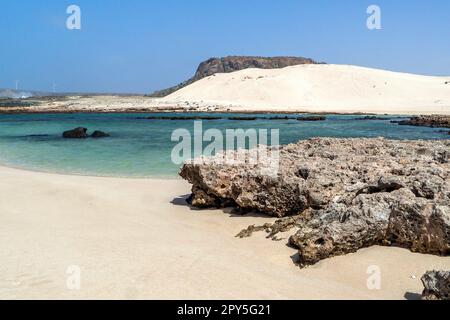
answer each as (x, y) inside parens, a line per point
(142, 148)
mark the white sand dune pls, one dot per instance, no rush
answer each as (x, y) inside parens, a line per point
(131, 240)
(322, 88)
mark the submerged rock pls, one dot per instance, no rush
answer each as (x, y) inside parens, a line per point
(372, 118)
(81, 133)
(179, 118)
(281, 118)
(340, 195)
(77, 133)
(100, 134)
(437, 285)
(312, 118)
(242, 118)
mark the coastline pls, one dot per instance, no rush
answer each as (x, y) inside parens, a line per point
(25, 111)
(71, 174)
(196, 155)
(184, 111)
(136, 239)
(146, 105)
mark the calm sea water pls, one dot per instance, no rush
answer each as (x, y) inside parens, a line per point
(142, 148)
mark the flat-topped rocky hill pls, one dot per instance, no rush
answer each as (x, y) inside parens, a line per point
(235, 63)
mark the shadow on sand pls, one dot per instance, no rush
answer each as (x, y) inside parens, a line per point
(413, 296)
(232, 212)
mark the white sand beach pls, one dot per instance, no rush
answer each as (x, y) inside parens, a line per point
(136, 239)
(322, 88)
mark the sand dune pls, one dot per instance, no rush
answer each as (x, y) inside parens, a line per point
(135, 239)
(322, 88)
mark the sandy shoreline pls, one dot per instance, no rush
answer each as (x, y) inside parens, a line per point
(136, 239)
(171, 111)
(98, 105)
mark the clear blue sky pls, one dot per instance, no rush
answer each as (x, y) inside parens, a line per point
(143, 45)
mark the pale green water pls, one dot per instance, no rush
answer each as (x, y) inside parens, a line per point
(142, 148)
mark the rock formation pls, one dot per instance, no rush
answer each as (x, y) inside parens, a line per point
(99, 134)
(235, 63)
(340, 195)
(437, 285)
(372, 118)
(81, 133)
(312, 118)
(436, 121)
(77, 133)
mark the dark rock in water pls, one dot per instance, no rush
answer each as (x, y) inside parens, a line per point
(340, 195)
(372, 118)
(437, 285)
(282, 118)
(312, 118)
(100, 134)
(77, 133)
(243, 118)
(426, 121)
(175, 118)
(235, 63)
(443, 132)
(81, 133)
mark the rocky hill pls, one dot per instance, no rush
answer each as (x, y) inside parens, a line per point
(319, 88)
(235, 63)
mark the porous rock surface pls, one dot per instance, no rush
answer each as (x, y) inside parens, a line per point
(340, 195)
(437, 285)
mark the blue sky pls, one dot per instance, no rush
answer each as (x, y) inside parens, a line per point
(143, 45)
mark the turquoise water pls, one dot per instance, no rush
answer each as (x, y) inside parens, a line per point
(142, 148)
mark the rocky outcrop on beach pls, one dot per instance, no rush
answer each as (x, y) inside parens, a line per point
(435, 121)
(437, 285)
(235, 63)
(340, 195)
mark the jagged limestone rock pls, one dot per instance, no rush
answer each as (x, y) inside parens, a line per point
(437, 285)
(341, 194)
